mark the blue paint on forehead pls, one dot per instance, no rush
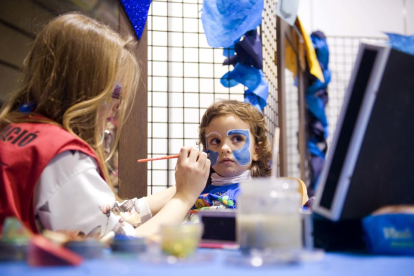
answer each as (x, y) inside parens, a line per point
(242, 155)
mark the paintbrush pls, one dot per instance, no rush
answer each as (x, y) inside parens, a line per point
(157, 158)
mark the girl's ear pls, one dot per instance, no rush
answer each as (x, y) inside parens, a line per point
(256, 153)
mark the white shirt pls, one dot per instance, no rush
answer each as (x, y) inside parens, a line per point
(71, 196)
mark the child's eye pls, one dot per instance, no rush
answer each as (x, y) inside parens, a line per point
(237, 139)
(215, 141)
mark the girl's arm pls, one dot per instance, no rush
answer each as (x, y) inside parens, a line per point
(191, 175)
(71, 196)
(157, 201)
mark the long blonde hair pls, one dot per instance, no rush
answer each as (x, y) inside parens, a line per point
(70, 73)
(246, 112)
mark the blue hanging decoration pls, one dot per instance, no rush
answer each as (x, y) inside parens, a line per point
(232, 24)
(249, 51)
(250, 97)
(253, 79)
(401, 42)
(316, 99)
(226, 21)
(137, 12)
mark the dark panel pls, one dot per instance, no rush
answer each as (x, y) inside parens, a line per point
(384, 170)
(219, 229)
(347, 129)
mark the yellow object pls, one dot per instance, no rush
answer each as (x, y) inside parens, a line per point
(180, 240)
(290, 60)
(302, 189)
(314, 67)
(290, 56)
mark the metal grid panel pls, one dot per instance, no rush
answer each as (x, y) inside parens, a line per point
(292, 125)
(268, 35)
(184, 79)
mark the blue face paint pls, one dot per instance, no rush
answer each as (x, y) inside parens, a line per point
(212, 155)
(242, 155)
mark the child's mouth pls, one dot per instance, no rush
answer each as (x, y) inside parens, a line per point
(226, 160)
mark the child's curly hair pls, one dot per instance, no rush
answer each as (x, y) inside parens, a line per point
(258, 128)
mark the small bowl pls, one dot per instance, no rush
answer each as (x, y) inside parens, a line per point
(180, 240)
(128, 244)
(89, 249)
(11, 250)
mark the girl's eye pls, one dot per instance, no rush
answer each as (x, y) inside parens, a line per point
(214, 141)
(237, 139)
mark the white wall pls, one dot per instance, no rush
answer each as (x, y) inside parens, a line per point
(362, 18)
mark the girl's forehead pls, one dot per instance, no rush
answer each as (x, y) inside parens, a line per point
(223, 124)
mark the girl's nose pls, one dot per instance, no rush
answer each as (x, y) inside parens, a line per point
(225, 148)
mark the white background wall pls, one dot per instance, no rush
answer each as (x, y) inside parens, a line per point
(365, 18)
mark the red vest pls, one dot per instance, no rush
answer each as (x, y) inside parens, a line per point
(25, 150)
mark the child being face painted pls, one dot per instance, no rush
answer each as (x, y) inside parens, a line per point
(234, 135)
(230, 147)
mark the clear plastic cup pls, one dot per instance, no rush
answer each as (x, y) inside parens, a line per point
(180, 240)
(268, 215)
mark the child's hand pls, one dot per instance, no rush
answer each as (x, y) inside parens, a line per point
(191, 173)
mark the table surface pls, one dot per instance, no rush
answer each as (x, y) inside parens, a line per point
(216, 263)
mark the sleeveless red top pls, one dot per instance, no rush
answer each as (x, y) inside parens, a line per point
(25, 150)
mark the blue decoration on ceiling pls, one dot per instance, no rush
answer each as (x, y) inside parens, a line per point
(137, 12)
(402, 43)
(226, 21)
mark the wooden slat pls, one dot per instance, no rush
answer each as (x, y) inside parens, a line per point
(302, 123)
(280, 40)
(133, 141)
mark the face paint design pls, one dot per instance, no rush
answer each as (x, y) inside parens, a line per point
(212, 155)
(242, 155)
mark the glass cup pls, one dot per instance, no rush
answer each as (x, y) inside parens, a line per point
(180, 240)
(268, 215)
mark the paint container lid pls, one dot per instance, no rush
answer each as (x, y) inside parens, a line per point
(89, 248)
(11, 250)
(127, 244)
